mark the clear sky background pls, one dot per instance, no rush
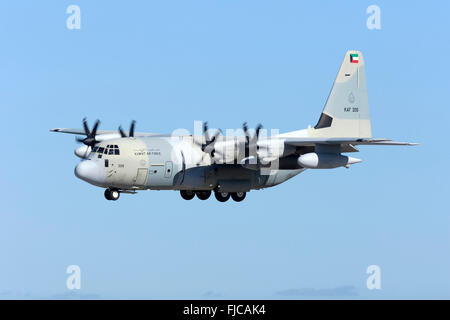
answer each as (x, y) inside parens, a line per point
(168, 63)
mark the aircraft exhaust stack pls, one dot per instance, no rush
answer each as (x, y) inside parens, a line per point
(315, 160)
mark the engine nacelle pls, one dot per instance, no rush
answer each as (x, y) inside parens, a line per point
(325, 160)
(107, 136)
(83, 152)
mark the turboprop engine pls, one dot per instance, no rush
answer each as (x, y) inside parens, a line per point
(83, 152)
(315, 160)
(92, 138)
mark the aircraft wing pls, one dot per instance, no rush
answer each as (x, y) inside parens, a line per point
(99, 132)
(80, 131)
(302, 142)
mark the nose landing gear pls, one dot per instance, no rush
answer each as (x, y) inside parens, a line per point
(112, 194)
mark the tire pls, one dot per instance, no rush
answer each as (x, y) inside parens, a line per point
(238, 196)
(222, 196)
(112, 194)
(203, 195)
(187, 194)
(108, 194)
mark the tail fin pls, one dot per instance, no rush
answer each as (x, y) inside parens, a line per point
(346, 112)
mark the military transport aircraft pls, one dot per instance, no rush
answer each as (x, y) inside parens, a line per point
(230, 165)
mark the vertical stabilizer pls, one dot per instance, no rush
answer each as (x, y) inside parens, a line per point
(346, 112)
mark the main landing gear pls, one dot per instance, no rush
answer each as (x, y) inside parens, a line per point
(220, 196)
(238, 196)
(112, 194)
(187, 194)
(203, 195)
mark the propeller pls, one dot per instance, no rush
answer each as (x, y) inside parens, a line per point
(208, 146)
(90, 134)
(251, 142)
(130, 133)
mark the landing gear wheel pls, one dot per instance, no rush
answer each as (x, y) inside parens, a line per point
(222, 196)
(187, 194)
(238, 196)
(112, 194)
(203, 195)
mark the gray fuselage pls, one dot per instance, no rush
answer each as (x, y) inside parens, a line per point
(169, 163)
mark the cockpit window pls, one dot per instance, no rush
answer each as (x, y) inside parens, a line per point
(110, 149)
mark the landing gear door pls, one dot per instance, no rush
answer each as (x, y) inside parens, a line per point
(168, 169)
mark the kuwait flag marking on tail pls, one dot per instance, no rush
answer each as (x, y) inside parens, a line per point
(354, 58)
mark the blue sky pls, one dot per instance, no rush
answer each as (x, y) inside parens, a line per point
(168, 63)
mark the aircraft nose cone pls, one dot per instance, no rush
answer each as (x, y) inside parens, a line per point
(91, 172)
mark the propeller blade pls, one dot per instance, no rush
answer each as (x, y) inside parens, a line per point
(205, 132)
(94, 129)
(215, 136)
(90, 135)
(86, 127)
(256, 135)
(258, 129)
(245, 128)
(122, 133)
(131, 133)
(86, 152)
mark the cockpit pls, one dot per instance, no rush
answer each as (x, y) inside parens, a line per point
(110, 149)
